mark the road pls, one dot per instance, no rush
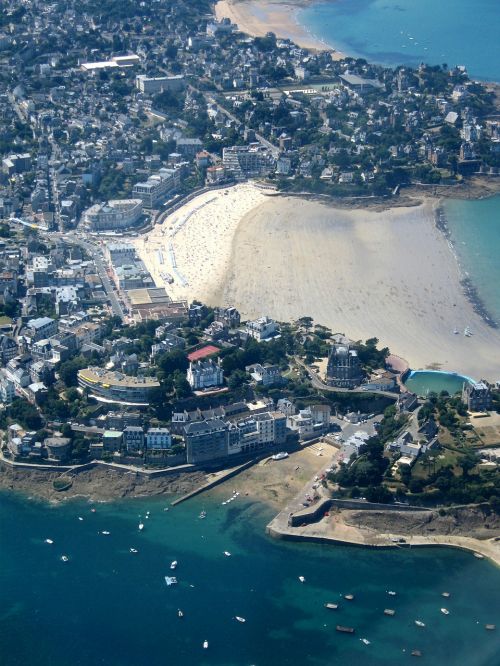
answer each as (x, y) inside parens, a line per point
(211, 100)
(95, 253)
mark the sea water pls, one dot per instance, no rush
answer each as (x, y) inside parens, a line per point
(111, 607)
(396, 32)
(475, 231)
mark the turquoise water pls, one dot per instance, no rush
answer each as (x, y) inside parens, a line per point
(475, 230)
(108, 606)
(395, 32)
(423, 382)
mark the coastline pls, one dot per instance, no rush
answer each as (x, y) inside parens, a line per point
(238, 246)
(258, 17)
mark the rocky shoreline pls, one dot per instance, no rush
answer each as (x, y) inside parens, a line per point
(97, 484)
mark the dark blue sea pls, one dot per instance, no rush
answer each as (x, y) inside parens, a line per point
(109, 606)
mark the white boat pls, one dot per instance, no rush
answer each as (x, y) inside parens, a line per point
(391, 593)
(419, 623)
(141, 526)
(479, 556)
(445, 594)
(203, 514)
(170, 580)
(302, 579)
(180, 613)
(80, 518)
(467, 332)
(227, 553)
(64, 558)
(48, 541)
(173, 564)
(134, 550)
(445, 611)
(205, 645)
(280, 456)
(365, 641)
(105, 532)
(455, 331)
(240, 619)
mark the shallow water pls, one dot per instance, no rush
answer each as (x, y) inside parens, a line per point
(109, 606)
(423, 382)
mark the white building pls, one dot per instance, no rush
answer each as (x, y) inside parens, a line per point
(204, 374)
(115, 214)
(40, 328)
(252, 161)
(262, 329)
(152, 85)
(157, 187)
(158, 438)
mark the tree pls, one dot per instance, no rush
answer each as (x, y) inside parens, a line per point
(379, 494)
(24, 413)
(68, 370)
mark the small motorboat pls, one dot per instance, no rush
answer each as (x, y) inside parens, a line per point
(48, 541)
(205, 645)
(479, 556)
(389, 611)
(92, 510)
(419, 623)
(302, 579)
(227, 553)
(445, 594)
(105, 532)
(134, 550)
(64, 558)
(170, 580)
(80, 518)
(416, 653)
(391, 593)
(240, 619)
(180, 613)
(490, 627)
(445, 611)
(331, 606)
(203, 514)
(173, 565)
(349, 597)
(141, 526)
(365, 641)
(344, 630)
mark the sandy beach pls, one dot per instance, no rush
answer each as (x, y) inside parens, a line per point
(258, 17)
(389, 274)
(198, 238)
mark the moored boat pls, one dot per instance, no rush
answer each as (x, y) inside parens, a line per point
(490, 627)
(48, 541)
(227, 553)
(416, 653)
(302, 579)
(365, 641)
(445, 594)
(134, 550)
(344, 630)
(205, 645)
(141, 526)
(419, 623)
(389, 611)
(170, 580)
(445, 611)
(391, 593)
(239, 618)
(331, 606)
(64, 558)
(349, 597)
(180, 613)
(173, 565)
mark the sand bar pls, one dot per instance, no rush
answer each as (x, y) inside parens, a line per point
(258, 17)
